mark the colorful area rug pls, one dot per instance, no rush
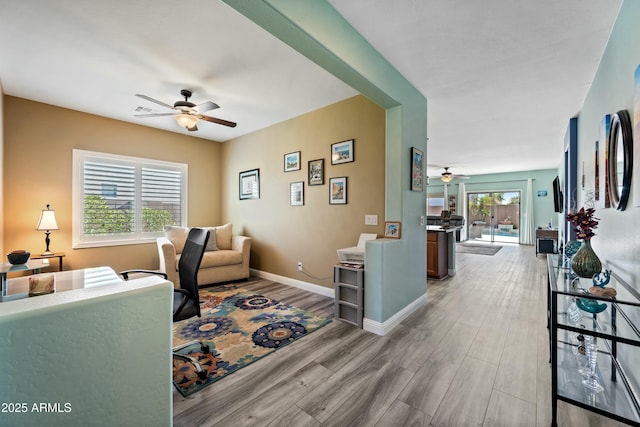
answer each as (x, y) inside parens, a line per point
(240, 328)
(478, 248)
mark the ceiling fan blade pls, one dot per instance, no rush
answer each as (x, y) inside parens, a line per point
(206, 106)
(154, 101)
(218, 121)
(154, 115)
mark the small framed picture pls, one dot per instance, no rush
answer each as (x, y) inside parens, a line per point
(392, 229)
(316, 172)
(417, 169)
(249, 185)
(338, 191)
(292, 161)
(342, 152)
(297, 193)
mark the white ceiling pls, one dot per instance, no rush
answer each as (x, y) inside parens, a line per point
(502, 77)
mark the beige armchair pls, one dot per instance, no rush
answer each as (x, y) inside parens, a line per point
(226, 256)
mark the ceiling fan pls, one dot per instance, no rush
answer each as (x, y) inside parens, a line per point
(447, 176)
(187, 113)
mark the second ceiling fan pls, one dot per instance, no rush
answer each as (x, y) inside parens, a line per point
(187, 113)
(447, 176)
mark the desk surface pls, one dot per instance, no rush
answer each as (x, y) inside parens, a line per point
(18, 288)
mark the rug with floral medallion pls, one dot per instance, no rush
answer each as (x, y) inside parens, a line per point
(240, 327)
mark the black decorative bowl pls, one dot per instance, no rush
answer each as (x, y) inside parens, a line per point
(18, 257)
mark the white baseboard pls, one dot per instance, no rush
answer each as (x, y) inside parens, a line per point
(367, 324)
(311, 287)
(385, 327)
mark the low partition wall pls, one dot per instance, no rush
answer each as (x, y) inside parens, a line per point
(94, 356)
(376, 327)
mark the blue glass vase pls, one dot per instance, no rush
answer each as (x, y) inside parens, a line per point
(585, 263)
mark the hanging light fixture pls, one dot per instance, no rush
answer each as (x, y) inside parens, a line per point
(446, 176)
(187, 121)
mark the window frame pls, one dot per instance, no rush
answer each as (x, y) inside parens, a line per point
(79, 240)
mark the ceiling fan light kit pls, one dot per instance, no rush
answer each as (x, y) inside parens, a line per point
(446, 176)
(186, 120)
(187, 113)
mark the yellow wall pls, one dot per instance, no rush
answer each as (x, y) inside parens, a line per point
(37, 169)
(283, 234)
(1, 162)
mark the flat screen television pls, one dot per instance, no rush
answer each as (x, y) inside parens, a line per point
(557, 195)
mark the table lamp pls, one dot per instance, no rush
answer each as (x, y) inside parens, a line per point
(47, 223)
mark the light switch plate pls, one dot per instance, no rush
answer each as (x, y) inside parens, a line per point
(371, 220)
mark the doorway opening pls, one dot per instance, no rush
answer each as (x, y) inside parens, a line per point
(494, 216)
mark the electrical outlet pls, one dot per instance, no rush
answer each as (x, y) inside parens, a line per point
(299, 265)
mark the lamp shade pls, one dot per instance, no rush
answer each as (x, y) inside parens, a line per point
(47, 220)
(186, 120)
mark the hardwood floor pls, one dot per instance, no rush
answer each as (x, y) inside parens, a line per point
(475, 355)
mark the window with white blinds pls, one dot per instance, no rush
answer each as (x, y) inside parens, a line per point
(125, 200)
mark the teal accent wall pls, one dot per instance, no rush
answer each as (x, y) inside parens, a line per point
(395, 272)
(511, 181)
(617, 240)
(98, 356)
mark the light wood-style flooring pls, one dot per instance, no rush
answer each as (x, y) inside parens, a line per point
(475, 355)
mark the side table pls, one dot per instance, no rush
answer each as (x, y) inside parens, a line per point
(546, 241)
(58, 255)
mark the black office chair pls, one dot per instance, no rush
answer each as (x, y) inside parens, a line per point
(186, 299)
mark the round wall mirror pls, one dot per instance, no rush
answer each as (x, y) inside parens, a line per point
(620, 159)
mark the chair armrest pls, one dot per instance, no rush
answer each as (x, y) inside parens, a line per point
(167, 259)
(125, 274)
(241, 243)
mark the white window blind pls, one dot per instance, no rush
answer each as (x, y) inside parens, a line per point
(125, 200)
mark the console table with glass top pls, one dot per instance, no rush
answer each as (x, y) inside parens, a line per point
(615, 329)
(18, 288)
(34, 266)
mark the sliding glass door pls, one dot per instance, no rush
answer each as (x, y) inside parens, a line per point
(494, 216)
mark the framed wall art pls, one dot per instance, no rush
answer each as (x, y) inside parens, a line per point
(392, 229)
(338, 191)
(596, 172)
(636, 136)
(296, 192)
(292, 161)
(316, 172)
(417, 169)
(342, 152)
(249, 186)
(603, 133)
